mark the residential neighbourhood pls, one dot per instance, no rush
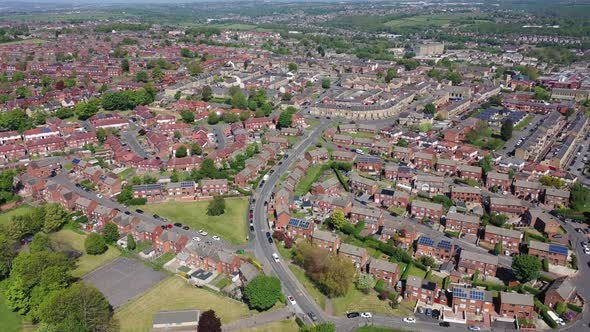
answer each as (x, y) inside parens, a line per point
(312, 168)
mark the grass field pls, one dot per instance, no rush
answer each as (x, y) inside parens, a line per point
(283, 326)
(230, 225)
(26, 41)
(174, 294)
(67, 240)
(313, 291)
(304, 186)
(355, 300)
(417, 272)
(18, 211)
(421, 21)
(10, 321)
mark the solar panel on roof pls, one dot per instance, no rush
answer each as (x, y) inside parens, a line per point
(424, 240)
(459, 293)
(445, 245)
(557, 249)
(294, 222)
(186, 184)
(476, 295)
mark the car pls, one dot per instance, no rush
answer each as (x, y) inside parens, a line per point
(156, 216)
(169, 226)
(557, 236)
(87, 190)
(251, 228)
(268, 234)
(286, 156)
(444, 324)
(474, 328)
(216, 238)
(275, 257)
(312, 316)
(269, 240)
(409, 320)
(186, 228)
(366, 315)
(435, 313)
(178, 224)
(78, 185)
(587, 251)
(127, 212)
(291, 300)
(584, 244)
(99, 195)
(203, 233)
(196, 238)
(353, 315)
(139, 211)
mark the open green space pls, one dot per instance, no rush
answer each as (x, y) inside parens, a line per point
(23, 209)
(9, 321)
(309, 285)
(174, 293)
(67, 240)
(422, 21)
(356, 300)
(416, 271)
(283, 326)
(230, 225)
(25, 41)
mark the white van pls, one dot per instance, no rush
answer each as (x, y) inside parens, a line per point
(555, 318)
(275, 257)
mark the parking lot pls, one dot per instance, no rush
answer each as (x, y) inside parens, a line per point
(123, 279)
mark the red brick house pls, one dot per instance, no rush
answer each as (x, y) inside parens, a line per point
(420, 290)
(255, 124)
(317, 156)
(330, 186)
(326, 240)
(342, 139)
(423, 209)
(446, 166)
(213, 187)
(346, 156)
(470, 261)
(469, 172)
(509, 238)
(358, 255)
(368, 164)
(472, 301)
(515, 305)
(461, 223)
(170, 241)
(441, 250)
(373, 217)
(554, 253)
(527, 190)
(499, 180)
(382, 269)
(12, 152)
(424, 160)
(297, 228)
(507, 206)
(466, 194)
(361, 184)
(556, 197)
(561, 290)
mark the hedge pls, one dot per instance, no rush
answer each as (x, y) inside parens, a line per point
(490, 286)
(531, 290)
(574, 307)
(341, 179)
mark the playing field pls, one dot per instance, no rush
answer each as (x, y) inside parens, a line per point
(67, 240)
(174, 293)
(231, 226)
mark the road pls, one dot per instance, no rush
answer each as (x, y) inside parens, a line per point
(130, 137)
(511, 144)
(263, 249)
(218, 130)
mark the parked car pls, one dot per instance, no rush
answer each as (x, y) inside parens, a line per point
(353, 315)
(203, 233)
(216, 238)
(409, 320)
(291, 300)
(312, 316)
(435, 313)
(139, 211)
(196, 238)
(99, 195)
(275, 257)
(186, 228)
(474, 328)
(127, 212)
(444, 324)
(251, 228)
(178, 224)
(366, 315)
(156, 216)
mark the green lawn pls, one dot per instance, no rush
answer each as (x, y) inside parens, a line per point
(18, 211)
(26, 41)
(174, 293)
(231, 225)
(283, 326)
(356, 300)
(416, 271)
(304, 186)
(68, 240)
(11, 321)
(423, 21)
(311, 288)
(524, 122)
(164, 258)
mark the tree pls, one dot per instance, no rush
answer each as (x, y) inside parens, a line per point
(79, 307)
(213, 118)
(187, 116)
(110, 232)
(495, 100)
(8, 251)
(209, 322)
(540, 93)
(40, 242)
(403, 143)
(526, 267)
(177, 134)
(125, 65)
(426, 260)
(55, 217)
(216, 207)
(244, 115)
(552, 181)
(365, 282)
(186, 53)
(194, 68)
(131, 245)
(454, 77)
(23, 92)
(181, 152)
(430, 108)
(495, 219)
(266, 109)
(207, 93)
(391, 74)
(141, 76)
(177, 95)
(238, 100)
(262, 292)
(95, 244)
(292, 67)
(196, 149)
(498, 248)
(380, 286)
(337, 276)
(337, 219)
(506, 129)
(85, 110)
(101, 135)
(579, 197)
(285, 119)
(229, 117)
(326, 83)
(486, 164)
(560, 308)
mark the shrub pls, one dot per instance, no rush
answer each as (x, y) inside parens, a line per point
(95, 244)
(393, 296)
(383, 295)
(548, 319)
(545, 265)
(574, 307)
(380, 286)
(560, 308)
(279, 236)
(288, 243)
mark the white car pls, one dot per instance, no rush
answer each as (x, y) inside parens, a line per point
(215, 237)
(410, 320)
(366, 315)
(275, 257)
(587, 251)
(291, 300)
(99, 195)
(196, 238)
(202, 232)
(474, 328)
